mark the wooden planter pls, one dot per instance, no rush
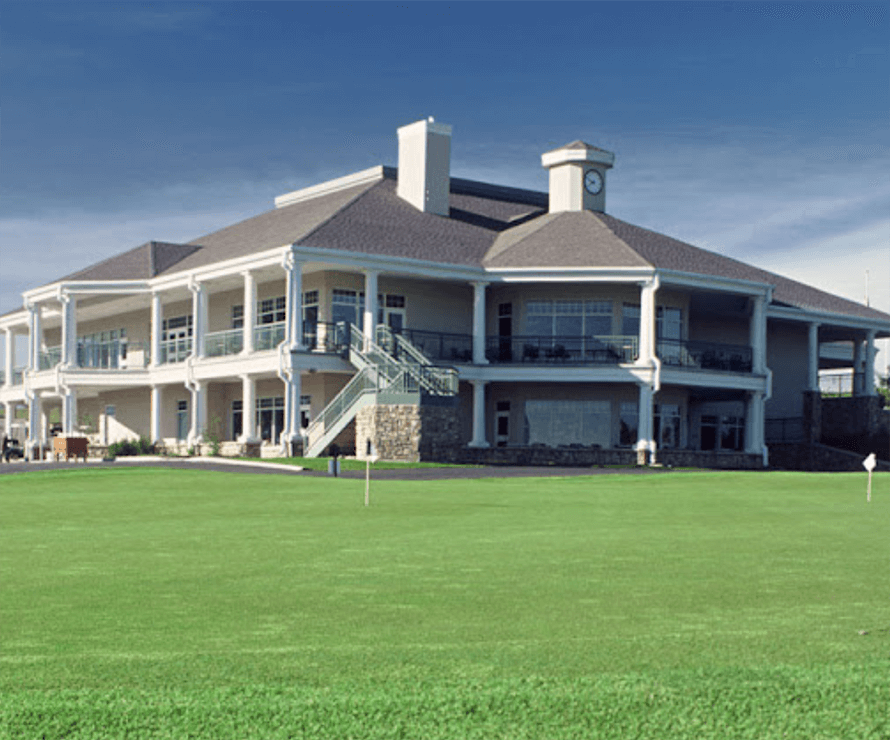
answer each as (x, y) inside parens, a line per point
(69, 447)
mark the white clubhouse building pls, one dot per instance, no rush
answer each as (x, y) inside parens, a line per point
(521, 320)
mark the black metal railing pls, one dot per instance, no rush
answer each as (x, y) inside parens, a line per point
(599, 350)
(705, 355)
(444, 346)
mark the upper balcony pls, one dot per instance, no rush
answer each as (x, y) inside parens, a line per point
(113, 355)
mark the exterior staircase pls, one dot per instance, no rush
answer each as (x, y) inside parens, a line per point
(390, 370)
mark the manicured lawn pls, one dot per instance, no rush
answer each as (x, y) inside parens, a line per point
(146, 603)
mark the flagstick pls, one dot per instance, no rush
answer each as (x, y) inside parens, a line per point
(868, 497)
(368, 482)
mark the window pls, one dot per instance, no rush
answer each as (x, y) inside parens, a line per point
(722, 432)
(348, 306)
(305, 411)
(270, 418)
(272, 310)
(668, 323)
(237, 419)
(502, 423)
(630, 320)
(568, 318)
(555, 423)
(237, 317)
(667, 425)
(182, 420)
(176, 338)
(629, 417)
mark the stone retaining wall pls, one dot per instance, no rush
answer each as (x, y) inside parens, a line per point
(408, 432)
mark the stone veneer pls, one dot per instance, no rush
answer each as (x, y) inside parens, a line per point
(541, 455)
(408, 432)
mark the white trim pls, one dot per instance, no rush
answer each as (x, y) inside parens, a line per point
(569, 274)
(372, 174)
(564, 155)
(712, 282)
(825, 318)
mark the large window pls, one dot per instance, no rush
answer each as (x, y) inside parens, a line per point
(568, 318)
(556, 423)
(176, 338)
(271, 310)
(348, 306)
(722, 432)
(630, 320)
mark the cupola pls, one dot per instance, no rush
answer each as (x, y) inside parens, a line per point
(578, 177)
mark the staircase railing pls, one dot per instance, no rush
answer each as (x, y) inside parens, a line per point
(365, 381)
(434, 379)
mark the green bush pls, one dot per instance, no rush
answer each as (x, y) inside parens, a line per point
(131, 447)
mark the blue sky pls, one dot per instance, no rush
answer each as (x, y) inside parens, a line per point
(758, 130)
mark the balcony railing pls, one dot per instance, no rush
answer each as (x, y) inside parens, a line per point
(114, 355)
(49, 358)
(175, 350)
(323, 336)
(598, 350)
(705, 355)
(268, 336)
(221, 343)
(441, 345)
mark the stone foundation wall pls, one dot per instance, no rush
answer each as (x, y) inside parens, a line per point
(858, 415)
(590, 457)
(408, 432)
(817, 457)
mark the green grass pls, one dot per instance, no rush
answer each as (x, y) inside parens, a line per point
(164, 603)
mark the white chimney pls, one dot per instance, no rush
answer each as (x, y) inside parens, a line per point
(578, 177)
(425, 165)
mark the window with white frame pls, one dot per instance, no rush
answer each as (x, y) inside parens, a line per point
(630, 320)
(272, 310)
(305, 411)
(102, 349)
(669, 323)
(238, 316)
(561, 318)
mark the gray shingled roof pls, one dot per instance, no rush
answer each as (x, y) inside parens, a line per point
(488, 226)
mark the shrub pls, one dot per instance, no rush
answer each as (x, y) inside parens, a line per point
(130, 447)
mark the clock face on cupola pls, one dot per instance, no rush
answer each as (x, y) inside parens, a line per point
(578, 177)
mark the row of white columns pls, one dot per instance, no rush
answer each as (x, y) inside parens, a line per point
(863, 362)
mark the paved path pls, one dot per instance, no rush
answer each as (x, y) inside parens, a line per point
(270, 468)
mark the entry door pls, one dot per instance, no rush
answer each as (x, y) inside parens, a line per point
(395, 319)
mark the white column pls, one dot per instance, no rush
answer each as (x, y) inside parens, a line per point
(248, 409)
(69, 412)
(249, 310)
(35, 335)
(9, 408)
(292, 390)
(35, 407)
(479, 323)
(199, 318)
(369, 323)
(645, 442)
(199, 412)
(758, 334)
(647, 321)
(479, 439)
(69, 330)
(294, 298)
(813, 358)
(157, 328)
(869, 377)
(754, 421)
(10, 358)
(155, 426)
